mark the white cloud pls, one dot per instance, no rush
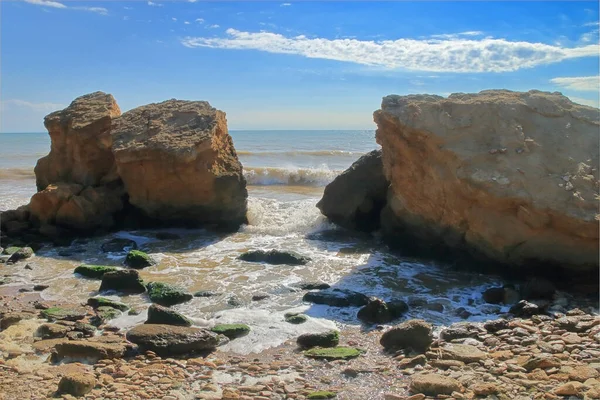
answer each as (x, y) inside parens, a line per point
(597, 23)
(457, 35)
(192, 1)
(128, 8)
(215, 26)
(47, 3)
(45, 107)
(285, 4)
(98, 10)
(186, 22)
(580, 83)
(174, 19)
(153, 4)
(200, 20)
(456, 55)
(587, 102)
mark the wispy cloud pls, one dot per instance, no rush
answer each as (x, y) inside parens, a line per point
(46, 3)
(174, 19)
(128, 8)
(285, 4)
(597, 23)
(455, 55)
(153, 4)
(46, 107)
(215, 26)
(580, 83)
(200, 20)
(457, 35)
(186, 22)
(55, 4)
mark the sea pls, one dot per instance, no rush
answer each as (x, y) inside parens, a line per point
(286, 172)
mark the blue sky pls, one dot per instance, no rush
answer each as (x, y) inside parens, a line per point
(288, 65)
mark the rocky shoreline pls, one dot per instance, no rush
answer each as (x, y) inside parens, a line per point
(544, 356)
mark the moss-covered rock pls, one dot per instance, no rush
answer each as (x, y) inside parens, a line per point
(232, 331)
(11, 250)
(334, 353)
(63, 314)
(104, 314)
(166, 294)
(123, 280)
(295, 318)
(22, 254)
(97, 302)
(321, 394)
(163, 315)
(138, 259)
(93, 271)
(325, 339)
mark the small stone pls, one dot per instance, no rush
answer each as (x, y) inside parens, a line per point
(434, 384)
(569, 389)
(76, 384)
(484, 389)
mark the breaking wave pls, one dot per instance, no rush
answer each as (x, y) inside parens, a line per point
(263, 176)
(302, 153)
(16, 173)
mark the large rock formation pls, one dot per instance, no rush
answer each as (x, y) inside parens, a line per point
(511, 178)
(178, 163)
(171, 163)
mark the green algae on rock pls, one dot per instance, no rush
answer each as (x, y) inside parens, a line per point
(166, 294)
(97, 302)
(321, 394)
(295, 318)
(93, 271)
(138, 259)
(163, 315)
(325, 339)
(334, 353)
(64, 314)
(232, 331)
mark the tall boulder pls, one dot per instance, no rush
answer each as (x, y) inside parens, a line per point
(509, 176)
(178, 164)
(355, 198)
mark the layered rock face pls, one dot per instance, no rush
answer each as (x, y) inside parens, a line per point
(178, 163)
(78, 185)
(171, 163)
(509, 177)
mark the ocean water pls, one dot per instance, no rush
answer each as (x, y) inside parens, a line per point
(286, 172)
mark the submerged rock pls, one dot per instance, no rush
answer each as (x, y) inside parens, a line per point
(124, 281)
(167, 340)
(163, 315)
(118, 245)
(96, 302)
(295, 318)
(166, 294)
(460, 187)
(93, 271)
(178, 164)
(414, 334)
(275, 257)
(232, 331)
(104, 314)
(325, 339)
(337, 298)
(312, 285)
(355, 198)
(138, 259)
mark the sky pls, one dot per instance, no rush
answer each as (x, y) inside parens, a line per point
(288, 65)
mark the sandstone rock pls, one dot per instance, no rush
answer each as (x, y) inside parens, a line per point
(125, 281)
(172, 340)
(22, 254)
(84, 350)
(434, 384)
(76, 384)
(52, 331)
(484, 389)
(81, 143)
(275, 257)
(178, 164)
(463, 352)
(355, 198)
(163, 315)
(413, 334)
(569, 389)
(509, 176)
(13, 318)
